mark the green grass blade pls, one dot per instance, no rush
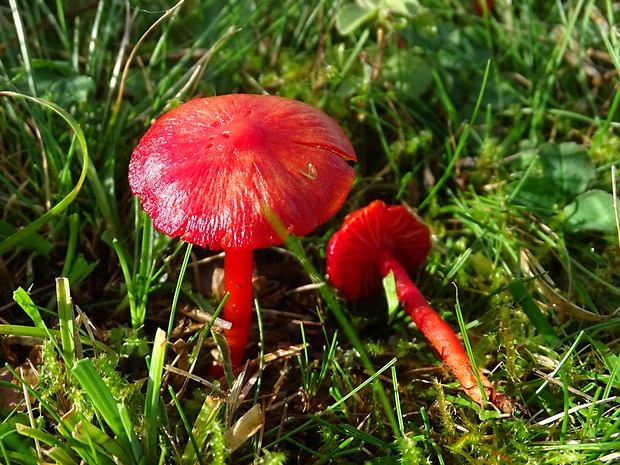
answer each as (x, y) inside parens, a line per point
(448, 171)
(201, 430)
(26, 303)
(22, 235)
(48, 439)
(349, 330)
(124, 260)
(21, 37)
(43, 333)
(153, 397)
(61, 456)
(142, 280)
(87, 433)
(399, 411)
(536, 317)
(467, 344)
(106, 405)
(65, 320)
(88, 439)
(177, 290)
(74, 221)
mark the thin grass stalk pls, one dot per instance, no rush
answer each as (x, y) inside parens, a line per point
(21, 37)
(343, 321)
(177, 290)
(447, 173)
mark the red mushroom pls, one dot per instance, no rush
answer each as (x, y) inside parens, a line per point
(486, 5)
(378, 239)
(222, 172)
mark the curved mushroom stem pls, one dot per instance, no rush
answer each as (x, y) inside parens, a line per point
(238, 306)
(437, 331)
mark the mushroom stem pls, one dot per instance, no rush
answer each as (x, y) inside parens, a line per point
(437, 331)
(238, 306)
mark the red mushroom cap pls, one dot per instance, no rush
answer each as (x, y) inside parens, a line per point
(217, 171)
(354, 251)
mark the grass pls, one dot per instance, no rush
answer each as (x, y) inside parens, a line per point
(500, 129)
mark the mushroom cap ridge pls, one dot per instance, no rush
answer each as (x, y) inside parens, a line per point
(353, 252)
(221, 171)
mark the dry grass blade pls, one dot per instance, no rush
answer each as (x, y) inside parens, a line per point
(244, 428)
(546, 287)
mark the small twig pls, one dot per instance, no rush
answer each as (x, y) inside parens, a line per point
(307, 287)
(204, 261)
(545, 286)
(561, 384)
(572, 410)
(30, 412)
(198, 379)
(205, 317)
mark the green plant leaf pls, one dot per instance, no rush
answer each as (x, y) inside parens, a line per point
(568, 166)
(591, 211)
(29, 331)
(26, 303)
(35, 242)
(538, 195)
(80, 269)
(410, 73)
(89, 435)
(61, 456)
(57, 81)
(402, 7)
(72, 90)
(536, 317)
(201, 430)
(11, 440)
(389, 285)
(45, 438)
(352, 16)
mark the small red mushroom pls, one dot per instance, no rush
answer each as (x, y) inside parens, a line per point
(222, 172)
(481, 6)
(378, 239)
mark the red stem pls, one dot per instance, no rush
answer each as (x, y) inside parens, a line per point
(238, 307)
(437, 332)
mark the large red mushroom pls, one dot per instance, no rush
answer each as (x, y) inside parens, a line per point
(380, 239)
(237, 172)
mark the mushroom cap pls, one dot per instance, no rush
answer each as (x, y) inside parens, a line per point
(222, 171)
(355, 251)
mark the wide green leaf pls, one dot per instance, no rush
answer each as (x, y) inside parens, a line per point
(591, 211)
(352, 16)
(568, 166)
(537, 194)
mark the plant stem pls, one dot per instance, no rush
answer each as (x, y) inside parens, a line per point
(440, 335)
(238, 306)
